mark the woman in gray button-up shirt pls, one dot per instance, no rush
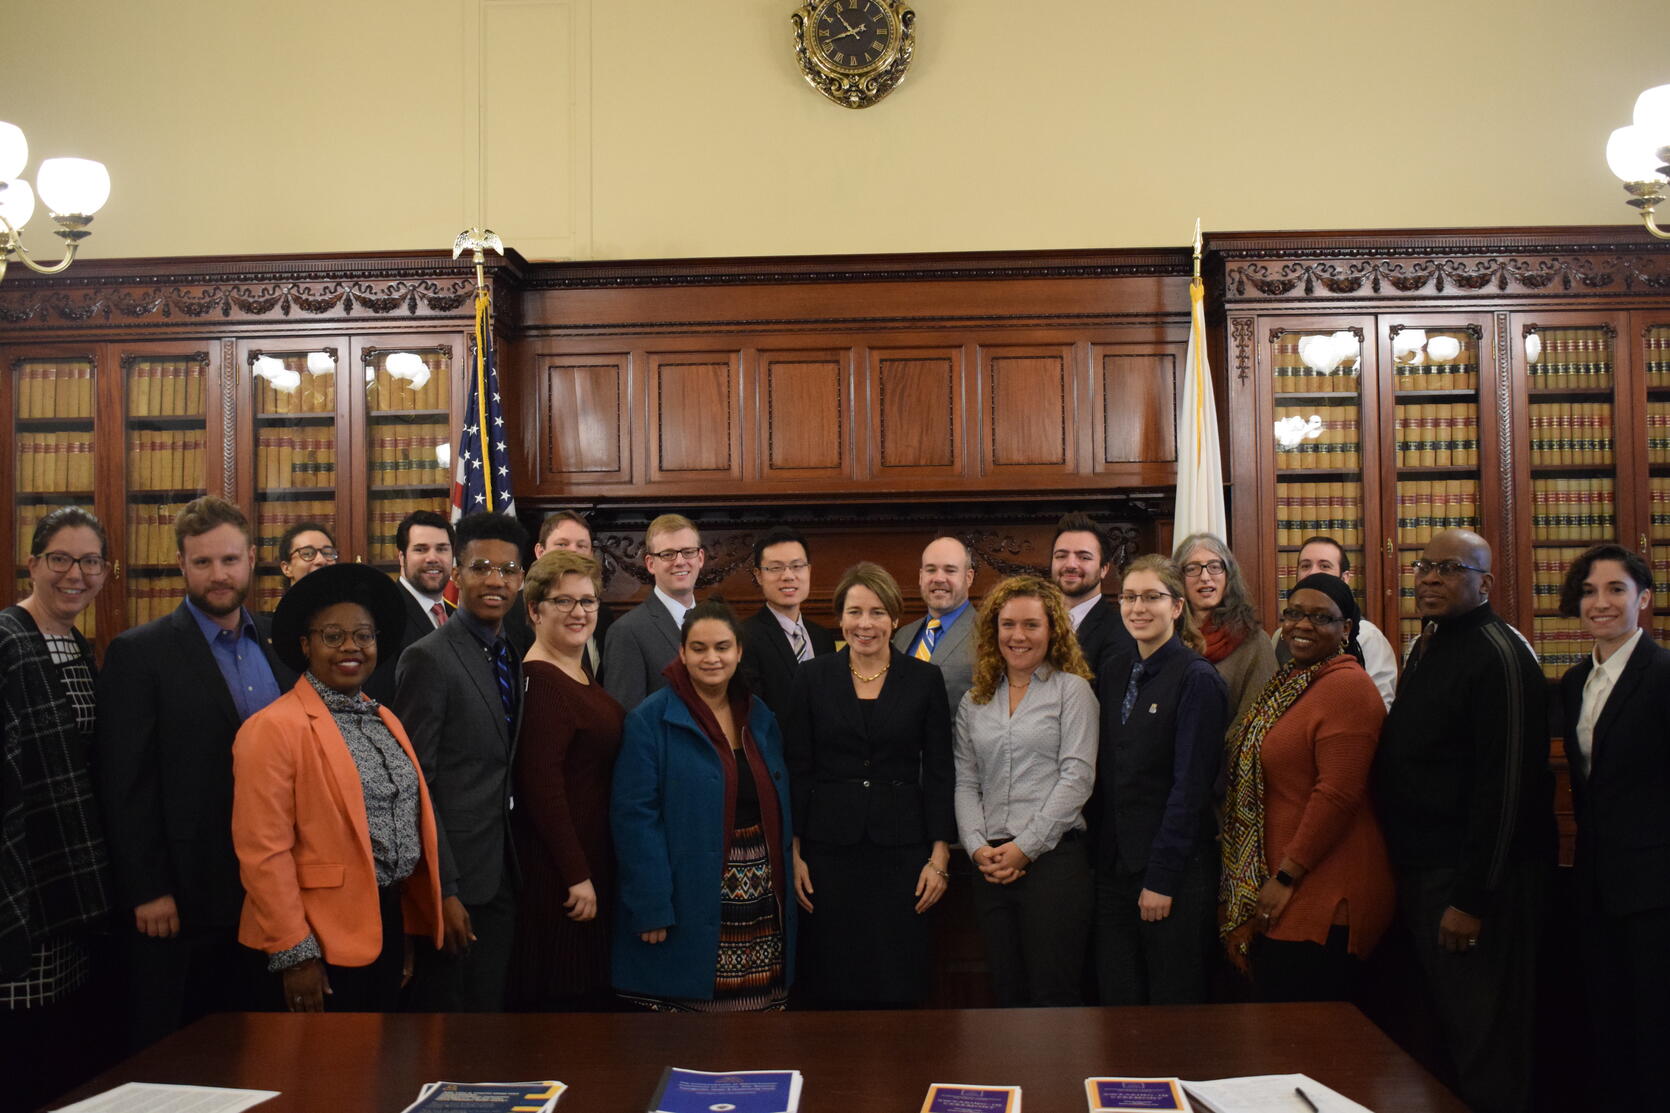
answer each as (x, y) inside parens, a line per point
(1025, 749)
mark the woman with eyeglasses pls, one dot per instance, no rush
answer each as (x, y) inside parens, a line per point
(565, 759)
(305, 547)
(1219, 604)
(1307, 889)
(1164, 711)
(54, 874)
(331, 818)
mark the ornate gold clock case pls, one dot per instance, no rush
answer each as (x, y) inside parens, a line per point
(854, 52)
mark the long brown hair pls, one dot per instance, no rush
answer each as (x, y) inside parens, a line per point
(1235, 612)
(1064, 653)
(1169, 575)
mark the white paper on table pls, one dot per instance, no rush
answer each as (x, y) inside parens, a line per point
(1269, 1093)
(155, 1097)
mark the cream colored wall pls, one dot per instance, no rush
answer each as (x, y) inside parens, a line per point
(641, 128)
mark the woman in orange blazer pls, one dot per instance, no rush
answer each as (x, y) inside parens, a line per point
(330, 816)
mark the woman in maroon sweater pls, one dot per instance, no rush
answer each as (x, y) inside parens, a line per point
(565, 759)
(1307, 889)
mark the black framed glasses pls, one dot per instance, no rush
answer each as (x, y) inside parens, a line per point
(91, 565)
(1318, 619)
(1195, 568)
(311, 552)
(335, 636)
(674, 554)
(1448, 569)
(486, 567)
(566, 603)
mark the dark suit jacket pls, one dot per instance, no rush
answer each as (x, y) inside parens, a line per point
(768, 661)
(1623, 825)
(642, 643)
(1102, 634)
(380, 684)
(890, 783)
(163, 764)
(447, 697)
(954, 655)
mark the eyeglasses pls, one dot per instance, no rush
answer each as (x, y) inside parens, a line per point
(1131, 598)
(674, 554)
(1445, 568)
(365, 637)
(91, 564)
(1194, 568)
(566, 603)
(1318, 619)
(486, 567)
(309, 552)
(795, 566)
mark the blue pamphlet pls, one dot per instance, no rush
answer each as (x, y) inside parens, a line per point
(747, 1091)
(1135, 1095)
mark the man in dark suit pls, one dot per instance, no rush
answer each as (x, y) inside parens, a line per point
(945, 635)
(646, 639)
(171, 697)
(777, 637)
(423, 542)
(1080, 560)
(458, 692)
(561, 529)
(1616, 717)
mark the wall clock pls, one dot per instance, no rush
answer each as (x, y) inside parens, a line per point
(854, 52)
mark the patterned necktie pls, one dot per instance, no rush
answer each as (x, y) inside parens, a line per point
(930, 637)
(1130, 700)
(439, 611)
(507, 688)
(797, 642)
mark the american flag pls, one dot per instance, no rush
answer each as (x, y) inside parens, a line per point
(482, 477)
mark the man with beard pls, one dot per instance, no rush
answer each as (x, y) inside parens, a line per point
(1079, 562)
(171, 696)
(424, 542)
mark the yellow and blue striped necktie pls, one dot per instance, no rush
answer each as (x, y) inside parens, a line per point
(930, 637)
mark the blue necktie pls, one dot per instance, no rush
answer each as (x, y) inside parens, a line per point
(930, 638)
(1130, 700)
(507, 686)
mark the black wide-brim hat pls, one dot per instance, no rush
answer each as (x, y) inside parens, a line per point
(330, 585)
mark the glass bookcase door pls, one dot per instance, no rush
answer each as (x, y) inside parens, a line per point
(408, 431)
(166, 394)
(54, 403)
(296, 451)
(1656, 371)
(1436, 375)
(1318, 371)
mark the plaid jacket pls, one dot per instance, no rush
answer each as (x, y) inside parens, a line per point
(52, 857)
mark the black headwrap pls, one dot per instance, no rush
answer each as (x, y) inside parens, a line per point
(1337, 590)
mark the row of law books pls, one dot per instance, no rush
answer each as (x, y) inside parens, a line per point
(273, 518)
(300, 456)
(1308, 509)
(152, 598)
(1437, 435)
(49, 462)
(404, 455)
(386, 515)
(1560, 643)
(1658, 432)
(1659, 504)
(1658, 356)
(1571, 359)
(151, 532)
(1426, 506)
(310, 394)
(1460, 375)
(394, 392)
(1548, 572)
(166, 388)
(165, 461)
(1324, 437)
(1572, 433)
(47, 388)
(1287, 572)
(1572, 509)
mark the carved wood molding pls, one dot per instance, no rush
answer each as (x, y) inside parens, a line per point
(422, 298)
(228, 419)
(1508, 557)
(1385, 275)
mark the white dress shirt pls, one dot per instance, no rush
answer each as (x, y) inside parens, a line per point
(1595, 690)
(427, 602)
(1076, 615)
(674, 607)
(794, 628)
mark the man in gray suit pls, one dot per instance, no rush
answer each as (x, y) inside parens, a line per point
(945, 635)
(458, 692)
(646, 639)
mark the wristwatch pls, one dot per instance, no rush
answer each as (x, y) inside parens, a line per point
(1284, 879)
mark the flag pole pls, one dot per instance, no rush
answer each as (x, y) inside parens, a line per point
(1197, 249)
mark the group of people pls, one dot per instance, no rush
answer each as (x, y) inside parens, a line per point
(374, 798)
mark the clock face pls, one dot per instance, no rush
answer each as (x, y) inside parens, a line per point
(853, 34)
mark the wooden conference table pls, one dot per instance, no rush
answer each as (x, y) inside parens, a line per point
(853, 1062)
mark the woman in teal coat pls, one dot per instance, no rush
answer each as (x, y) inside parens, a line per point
(700, 814)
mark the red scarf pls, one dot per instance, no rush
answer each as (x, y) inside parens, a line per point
(771, 819)
(1220, 643)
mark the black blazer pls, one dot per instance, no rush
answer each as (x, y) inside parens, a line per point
(890, 784)
(768, 661)
(163, 765)
(1102, 634)
(1623, 825)
(380, 684)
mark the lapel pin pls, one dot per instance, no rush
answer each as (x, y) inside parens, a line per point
(1153, 709)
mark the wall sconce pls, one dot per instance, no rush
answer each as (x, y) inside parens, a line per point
(73, 189)
(1639, 153)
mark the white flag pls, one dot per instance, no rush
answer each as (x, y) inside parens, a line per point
(1200, 472)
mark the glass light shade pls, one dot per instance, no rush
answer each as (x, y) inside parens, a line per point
(1443, 348)
(1346, 347)
(443, 454)
(320, 363)
(1533, 348)
(17, 203)
(1652, 114)
(1631, 155)
(14, 151)
(404, 365)
(73, 186)
(1407, 345)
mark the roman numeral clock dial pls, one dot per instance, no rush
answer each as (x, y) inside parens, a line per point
(854, 51)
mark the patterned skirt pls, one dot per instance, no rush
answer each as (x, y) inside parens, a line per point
(749, 977)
